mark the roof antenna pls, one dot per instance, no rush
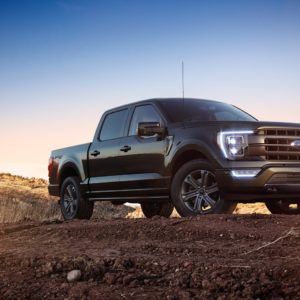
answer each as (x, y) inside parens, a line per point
(182, 78)
(182, 82)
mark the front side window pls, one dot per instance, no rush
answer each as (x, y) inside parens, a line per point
(144, 113)
(113, 126)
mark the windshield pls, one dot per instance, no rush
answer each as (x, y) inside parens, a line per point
(202, 110)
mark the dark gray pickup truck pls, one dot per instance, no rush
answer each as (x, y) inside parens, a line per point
(200, 156)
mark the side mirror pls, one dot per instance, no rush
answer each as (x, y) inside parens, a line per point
(150, 129)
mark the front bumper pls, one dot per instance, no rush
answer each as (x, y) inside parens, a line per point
(272, 182)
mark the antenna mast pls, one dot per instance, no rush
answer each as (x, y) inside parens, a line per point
(182, 78)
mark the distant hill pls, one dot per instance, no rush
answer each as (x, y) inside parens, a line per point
(28, 199)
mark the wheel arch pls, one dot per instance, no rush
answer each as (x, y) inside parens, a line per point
(68, 169)
(189, 153)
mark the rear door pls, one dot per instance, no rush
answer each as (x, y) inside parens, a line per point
(104, 167)
(142, 158)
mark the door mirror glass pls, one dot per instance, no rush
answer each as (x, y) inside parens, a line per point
(151, 129)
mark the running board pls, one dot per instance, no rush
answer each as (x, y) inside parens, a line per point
(130, 199)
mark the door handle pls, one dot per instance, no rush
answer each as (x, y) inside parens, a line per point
(95, 153)
(125, 148)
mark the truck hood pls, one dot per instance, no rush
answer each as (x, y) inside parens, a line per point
(239, 125)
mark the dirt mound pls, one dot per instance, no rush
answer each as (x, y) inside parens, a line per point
(252, 208)
(210, 257)
(28, 199)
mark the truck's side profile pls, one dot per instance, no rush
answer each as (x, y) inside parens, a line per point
(200, 156)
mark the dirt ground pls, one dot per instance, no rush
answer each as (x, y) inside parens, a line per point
(211, 257)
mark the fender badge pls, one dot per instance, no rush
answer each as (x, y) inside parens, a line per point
(296, 144)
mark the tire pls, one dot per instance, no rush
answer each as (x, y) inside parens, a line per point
(283, 208)
(151, 209)
(117, 202)
(72, 204)
(195, 191)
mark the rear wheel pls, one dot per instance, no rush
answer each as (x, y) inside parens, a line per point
(151, 209)
(283, 207)
(72, 203)
(195, 191)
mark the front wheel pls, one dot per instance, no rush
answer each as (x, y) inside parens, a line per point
(283, 207)
(151, 209)
(195, 191)
(72, 203)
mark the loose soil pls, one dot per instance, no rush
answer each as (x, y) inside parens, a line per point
(209, 257)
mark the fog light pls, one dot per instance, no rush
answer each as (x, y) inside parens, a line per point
(244, 173)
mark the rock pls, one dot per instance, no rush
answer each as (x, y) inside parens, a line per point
(134, 283)
(206, 284)
(59, 267)
(74, 275)
(127, 279)
(110, 278)
(47, 268)
(184, 295)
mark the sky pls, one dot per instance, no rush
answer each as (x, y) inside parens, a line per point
(64, 62)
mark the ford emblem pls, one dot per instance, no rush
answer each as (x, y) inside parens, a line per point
(296, 144)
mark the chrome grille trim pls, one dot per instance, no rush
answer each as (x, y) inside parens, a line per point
(284, 132)
(277, 143)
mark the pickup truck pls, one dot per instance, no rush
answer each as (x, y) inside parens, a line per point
(201, 156)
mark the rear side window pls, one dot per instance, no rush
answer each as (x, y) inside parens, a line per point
(113, 125)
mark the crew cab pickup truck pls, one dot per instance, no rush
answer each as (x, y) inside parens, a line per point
(200, 156)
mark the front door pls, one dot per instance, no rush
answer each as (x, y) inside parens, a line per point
(142, 158)
(104, 167)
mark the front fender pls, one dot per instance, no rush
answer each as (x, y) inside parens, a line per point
(205, 150)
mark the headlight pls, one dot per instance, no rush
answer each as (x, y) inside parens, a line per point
(233, 143)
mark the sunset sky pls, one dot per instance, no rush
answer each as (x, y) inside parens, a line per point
(63, 63)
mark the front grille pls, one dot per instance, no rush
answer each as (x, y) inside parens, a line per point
(278, 141)
(280, 131)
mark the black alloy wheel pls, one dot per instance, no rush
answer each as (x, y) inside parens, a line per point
(151, 209)
(195, 190)
(283, 207)
(200, 191)
(70, 201)
(72, 204)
